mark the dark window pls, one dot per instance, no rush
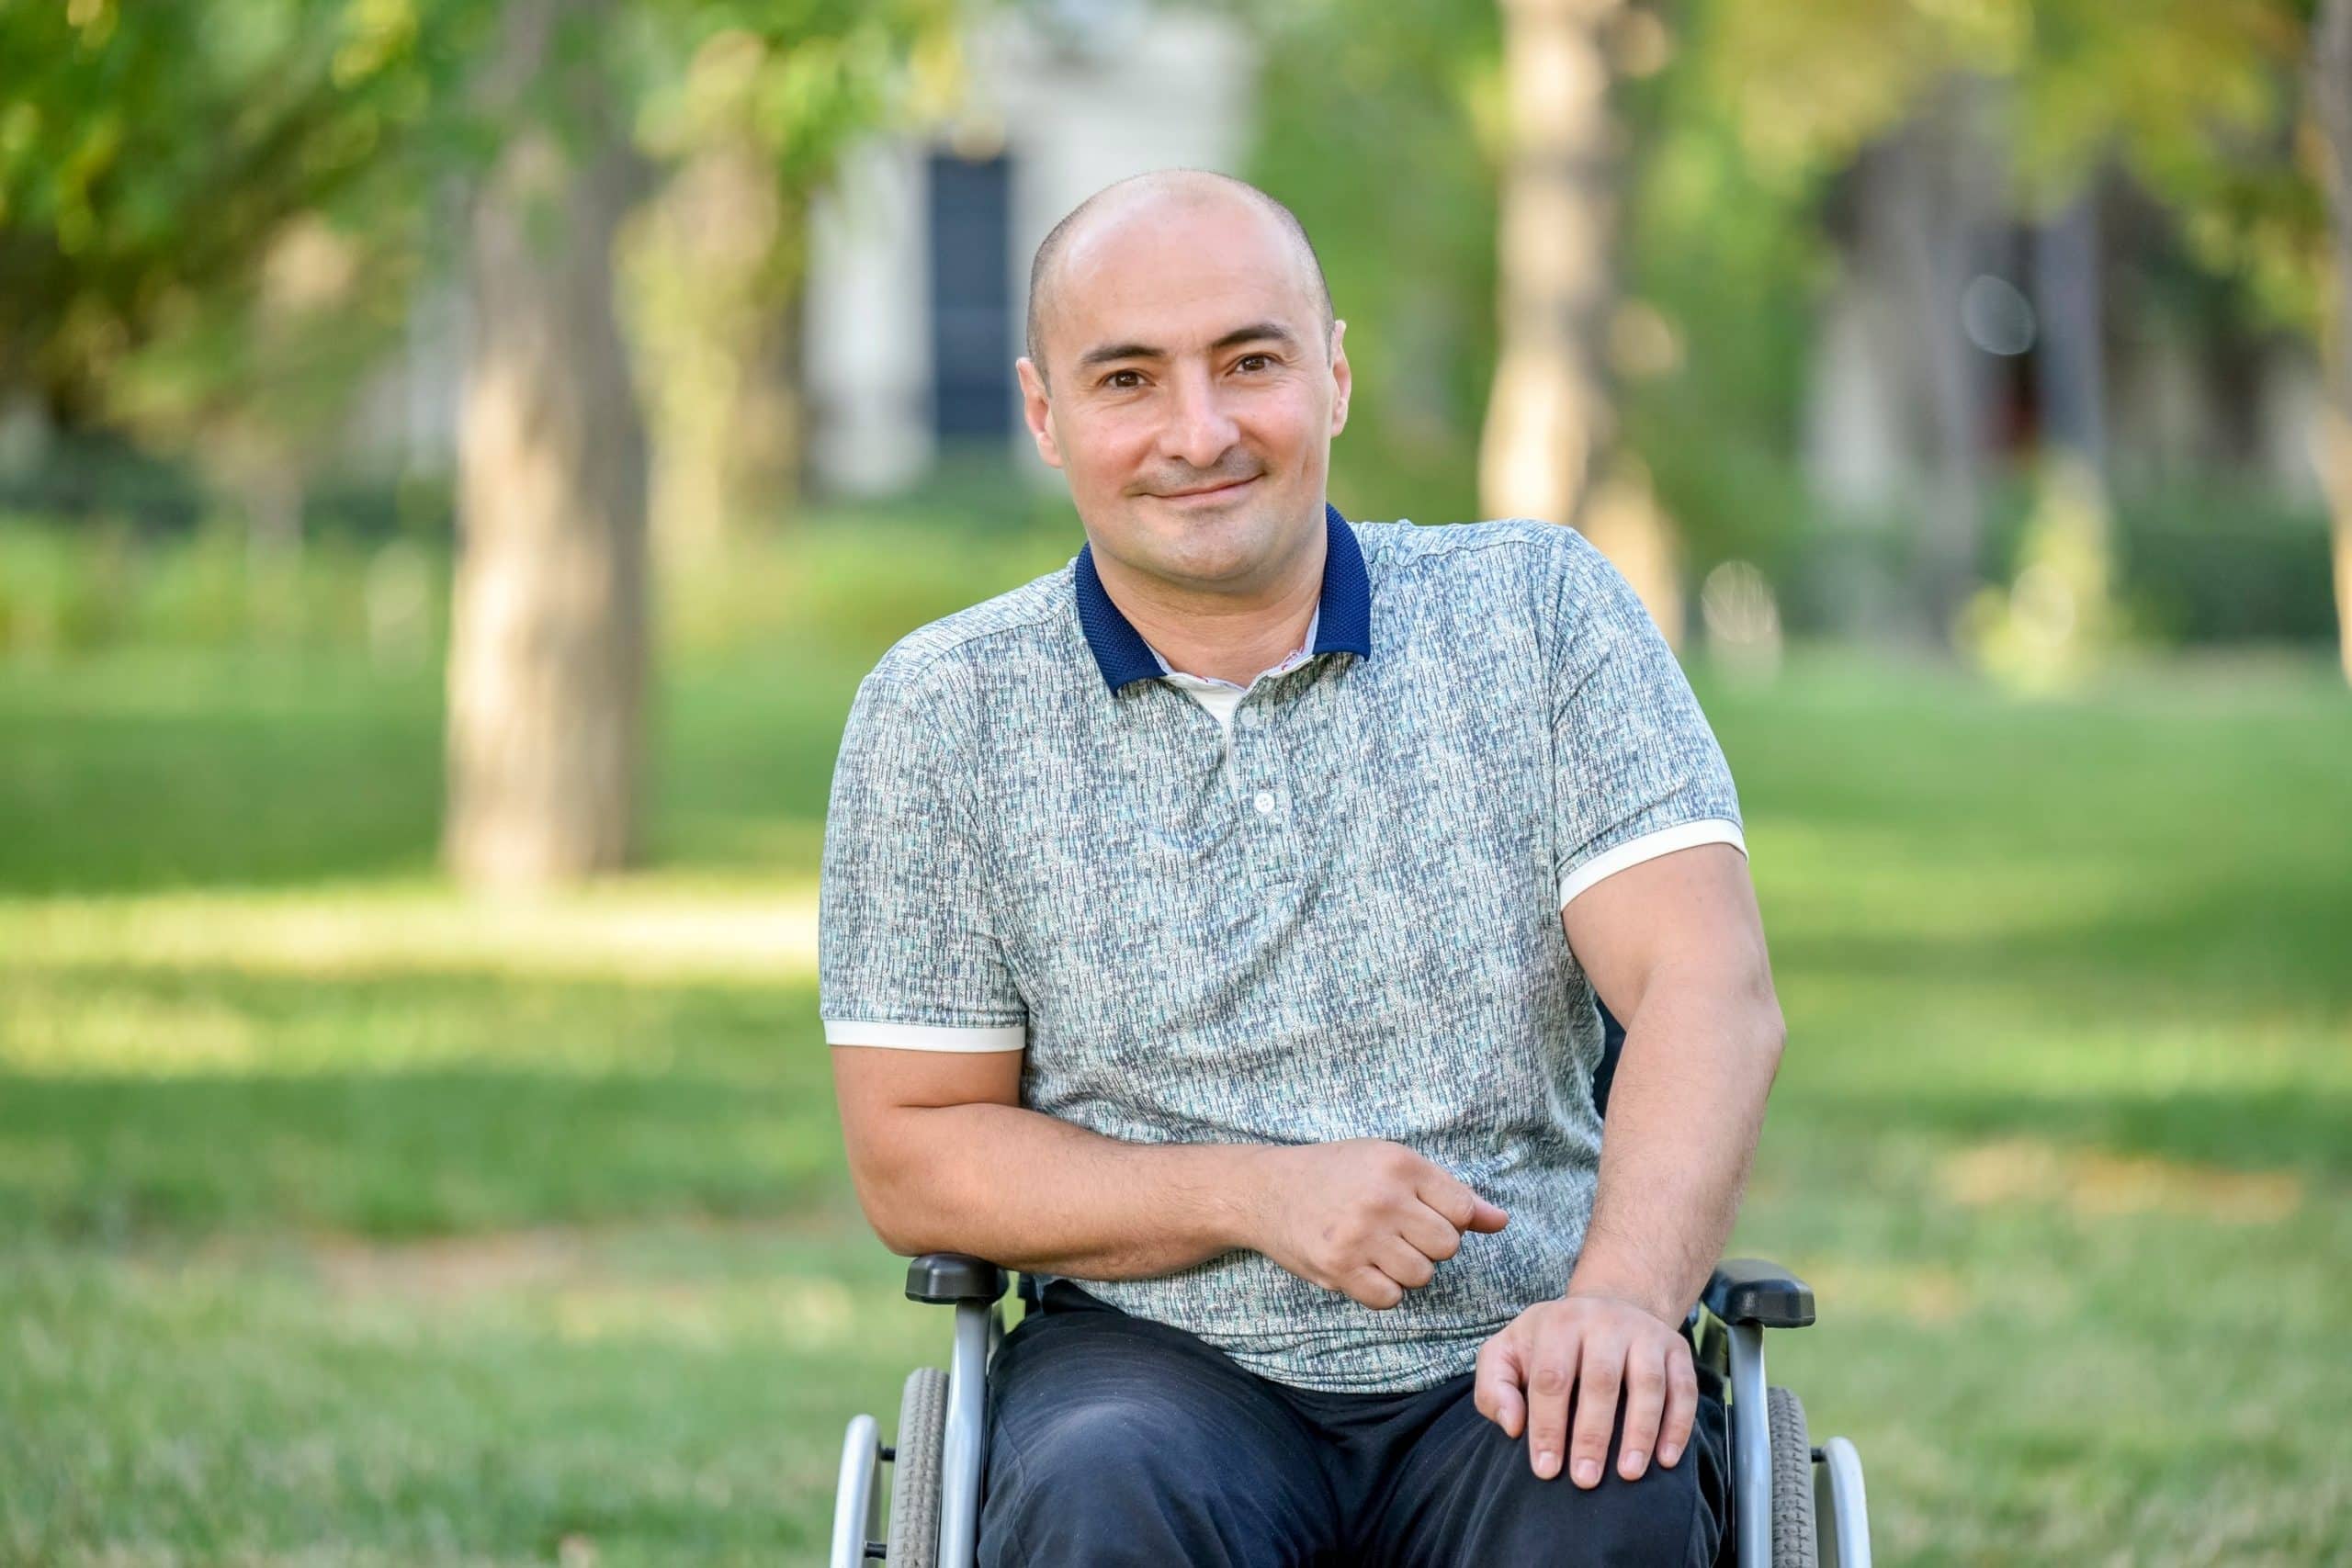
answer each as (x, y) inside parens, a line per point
(973, 390)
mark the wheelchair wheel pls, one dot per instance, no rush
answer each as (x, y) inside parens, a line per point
(913, 1540)
(1794, 1542)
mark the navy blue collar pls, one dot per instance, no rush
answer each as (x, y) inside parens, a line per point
(1345, 626)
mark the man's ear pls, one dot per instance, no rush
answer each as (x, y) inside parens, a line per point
(1037, 410)
(1343, 379)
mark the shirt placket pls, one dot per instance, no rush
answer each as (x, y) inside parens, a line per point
(1262, 770)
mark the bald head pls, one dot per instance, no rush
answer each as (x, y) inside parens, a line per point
(1163, 190)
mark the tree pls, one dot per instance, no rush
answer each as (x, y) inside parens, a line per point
(549, 642)
(153, 160)
(547, 661)
(1549, 420)
(2331, 98)
(1401, 206)
(2185, 97)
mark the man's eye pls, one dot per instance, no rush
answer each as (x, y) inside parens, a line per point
(1113, 381)
(1244, 361)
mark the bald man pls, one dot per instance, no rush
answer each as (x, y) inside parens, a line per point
(1212, 928)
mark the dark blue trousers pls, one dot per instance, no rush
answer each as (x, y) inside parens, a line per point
(1116, 1440)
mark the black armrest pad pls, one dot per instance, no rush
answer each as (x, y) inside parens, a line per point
(944, 1277)
(1749, 1289)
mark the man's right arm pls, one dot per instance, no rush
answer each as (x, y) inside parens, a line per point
(945, 1160)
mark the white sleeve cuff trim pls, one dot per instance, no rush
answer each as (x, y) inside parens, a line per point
(1649, 846)
(925, 1036)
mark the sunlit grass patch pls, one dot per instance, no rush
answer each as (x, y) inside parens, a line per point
(2095, 1183)
(649, 929)
(669, 1395)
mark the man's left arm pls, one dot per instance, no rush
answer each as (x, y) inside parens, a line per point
(1675, 946)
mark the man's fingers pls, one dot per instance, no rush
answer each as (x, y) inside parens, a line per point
(1682, 1404)
(1435, 1236)
(1403, 1262)
(1645, 1383)
(1461, 1208)
(1445, 1192)
(1601, 1373)
(1372, 1288)
(1497, 1392)
(1551, 1375)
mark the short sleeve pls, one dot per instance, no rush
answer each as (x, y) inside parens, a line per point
(905, 954)
(1638, 773)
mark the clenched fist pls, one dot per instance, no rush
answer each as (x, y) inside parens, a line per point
(1365, 1217)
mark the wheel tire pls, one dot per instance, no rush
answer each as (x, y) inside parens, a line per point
(1795, 1542)
(915, 1471)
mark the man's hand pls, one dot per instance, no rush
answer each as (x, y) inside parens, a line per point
(1365, 1217)
(1592, 1346)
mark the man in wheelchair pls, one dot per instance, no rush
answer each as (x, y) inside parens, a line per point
(1212, 929)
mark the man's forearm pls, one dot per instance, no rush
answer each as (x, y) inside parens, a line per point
(1031, 1192)
(1684, 1112)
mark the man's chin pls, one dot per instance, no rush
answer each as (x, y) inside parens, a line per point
(1215, 558)
(1218, 549)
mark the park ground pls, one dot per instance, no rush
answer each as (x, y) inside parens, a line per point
(342, 1221)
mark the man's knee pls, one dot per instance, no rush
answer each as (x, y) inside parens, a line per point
(1172, 1468)
(1670, 1517)
(1095, 1440)
(1474, 1498)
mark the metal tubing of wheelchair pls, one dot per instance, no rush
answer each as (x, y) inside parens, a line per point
(855, 1498)
(1751, 1447)
(959, 1497)
(1845, 1523)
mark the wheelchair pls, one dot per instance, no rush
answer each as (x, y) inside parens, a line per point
(1793, 1504)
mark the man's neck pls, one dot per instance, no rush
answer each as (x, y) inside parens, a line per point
(1228, 637)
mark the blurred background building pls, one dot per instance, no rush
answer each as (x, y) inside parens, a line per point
(919, 261)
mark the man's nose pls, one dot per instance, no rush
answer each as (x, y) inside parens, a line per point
(1199, 431)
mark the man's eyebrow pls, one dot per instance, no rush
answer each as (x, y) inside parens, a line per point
(1256, 332)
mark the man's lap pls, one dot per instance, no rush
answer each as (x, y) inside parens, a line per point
(1114, 1438)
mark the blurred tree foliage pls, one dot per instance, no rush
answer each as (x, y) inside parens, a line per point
(1378, 128)
(153, 159)
(2197, 99)
(1371, 132)
(207, 216)
(216, 215)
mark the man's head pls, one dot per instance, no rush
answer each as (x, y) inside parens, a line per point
(1181, 339)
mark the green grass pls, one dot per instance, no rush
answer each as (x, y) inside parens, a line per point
(343, 1221)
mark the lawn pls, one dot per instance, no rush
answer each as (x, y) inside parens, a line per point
(342, 1221)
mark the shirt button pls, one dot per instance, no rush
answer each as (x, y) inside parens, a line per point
(1248, 719)
(1264, 803)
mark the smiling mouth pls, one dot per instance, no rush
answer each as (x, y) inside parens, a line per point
(1202, 495)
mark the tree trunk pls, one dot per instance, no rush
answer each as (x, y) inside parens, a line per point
(1922, 195)
(700, 268)
(2070, 364)
(2331, 90)
(1549, 419)
(549, 634)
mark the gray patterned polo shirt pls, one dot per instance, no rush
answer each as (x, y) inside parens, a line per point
(1337, 919)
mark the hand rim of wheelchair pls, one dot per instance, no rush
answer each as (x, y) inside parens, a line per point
(1825, 1524)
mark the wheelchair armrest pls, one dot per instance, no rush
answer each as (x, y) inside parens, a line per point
(945, 1278)
(1749, 1289)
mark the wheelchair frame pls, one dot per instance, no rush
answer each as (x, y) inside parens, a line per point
(1744, 1298)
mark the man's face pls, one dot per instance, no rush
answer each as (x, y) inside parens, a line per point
(1183, 341)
